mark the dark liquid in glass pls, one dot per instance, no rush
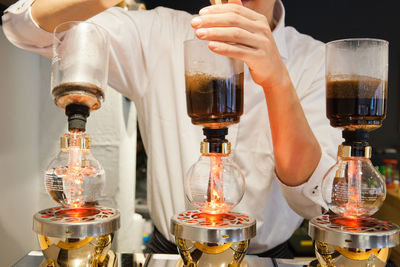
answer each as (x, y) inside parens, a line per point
(214, 102)
(356, 103)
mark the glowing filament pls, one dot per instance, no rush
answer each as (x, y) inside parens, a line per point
(215, 194)
(354, 204)
(73, 179)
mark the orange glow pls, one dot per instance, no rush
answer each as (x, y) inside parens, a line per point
(350, 222)
(74, 179)
(215, 194)
(353, 207)
(215, 220)
(78, 212)
(215, 208)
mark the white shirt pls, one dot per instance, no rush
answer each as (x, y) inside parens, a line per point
(147, 67)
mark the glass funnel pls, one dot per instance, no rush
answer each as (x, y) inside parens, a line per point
(79, 69)
(356, 83)
(214, 86)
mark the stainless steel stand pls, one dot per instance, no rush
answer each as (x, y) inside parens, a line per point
(34, 259)
(197, 226)
(364, 233)
(343, 242)
(212, 240)
(77, 237)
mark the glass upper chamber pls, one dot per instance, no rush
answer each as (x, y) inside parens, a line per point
(78, 74)
(74, 178)
(214, 86)
(356, 83)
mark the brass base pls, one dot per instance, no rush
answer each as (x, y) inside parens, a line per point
(199, 254)
(212, 240)
(334, 256)
(179, 263)
(110, 260)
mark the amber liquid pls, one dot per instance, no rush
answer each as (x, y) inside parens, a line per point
(356, 103)
(214, 102)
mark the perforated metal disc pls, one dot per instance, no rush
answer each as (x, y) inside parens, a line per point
(227, 227)
(363, 233)
(76, 223)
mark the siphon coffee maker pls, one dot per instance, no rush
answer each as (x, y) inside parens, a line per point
(356, 95)
(211, 234)
(79, 232)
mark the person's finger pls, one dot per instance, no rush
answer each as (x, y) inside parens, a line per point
(229, 35)
(238, 2)
(237, 51)
(233, 8)
(229, 20)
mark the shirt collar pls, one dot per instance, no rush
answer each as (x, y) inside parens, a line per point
(279, 31)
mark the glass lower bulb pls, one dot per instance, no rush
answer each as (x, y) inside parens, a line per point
(75, 178)
(214, 184)
(353, 188)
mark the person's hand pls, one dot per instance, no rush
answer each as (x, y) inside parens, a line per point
(239, 32)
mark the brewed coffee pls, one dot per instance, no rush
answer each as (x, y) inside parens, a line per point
(214, 102)
(356, 102)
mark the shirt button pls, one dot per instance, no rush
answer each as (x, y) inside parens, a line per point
(314, 191)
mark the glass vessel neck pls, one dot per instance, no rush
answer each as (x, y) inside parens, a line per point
(353, 152)
(215, 142)
(355, 145)
(77, 116)
(75, 139)
(215, 149)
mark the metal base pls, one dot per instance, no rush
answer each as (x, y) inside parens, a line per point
(111, 260)
(63, 222)
(212, 240)
(198, 226)
(244, 263)
(77, 237)
(34, 258)
(360, 233)
(343, 242)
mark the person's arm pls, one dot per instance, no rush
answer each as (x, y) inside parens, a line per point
(239, 32)
(49, 13)
(296, 150)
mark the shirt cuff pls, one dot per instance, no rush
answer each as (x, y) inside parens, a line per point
(306, 199)
(21, 29)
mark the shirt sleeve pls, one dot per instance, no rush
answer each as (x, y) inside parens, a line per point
(137, 39)
(21, 30)
(306, 199)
